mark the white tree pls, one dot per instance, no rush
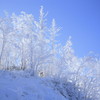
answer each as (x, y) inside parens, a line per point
(23, 27)
(53, 67)
(70, 60)
(5, 32)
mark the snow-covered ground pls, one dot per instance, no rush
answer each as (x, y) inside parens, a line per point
(17, 87)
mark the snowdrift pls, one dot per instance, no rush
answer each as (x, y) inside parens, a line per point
(16, 87)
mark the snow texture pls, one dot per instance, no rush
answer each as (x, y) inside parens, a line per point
(25, 88)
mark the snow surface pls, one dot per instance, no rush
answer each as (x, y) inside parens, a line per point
(17, 87)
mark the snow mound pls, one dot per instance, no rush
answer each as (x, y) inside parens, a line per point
(25, 88)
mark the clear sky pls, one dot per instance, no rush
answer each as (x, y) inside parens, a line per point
(78, 18)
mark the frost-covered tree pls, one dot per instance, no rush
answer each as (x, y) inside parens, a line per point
(70, 61)
(53, 66)
(5, 41)
(23, 28)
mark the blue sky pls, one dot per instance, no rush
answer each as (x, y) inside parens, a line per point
(78, 18)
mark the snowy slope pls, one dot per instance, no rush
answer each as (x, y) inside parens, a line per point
(25, 88)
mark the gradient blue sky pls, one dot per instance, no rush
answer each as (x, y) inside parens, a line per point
(78, 18)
